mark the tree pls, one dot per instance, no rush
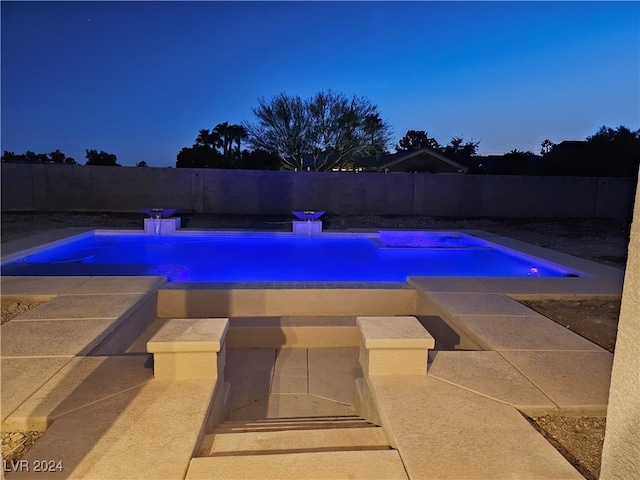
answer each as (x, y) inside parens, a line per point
(546, 145)
(224, 134)
(207, 138)
(283, 128)
(57, 156)
(142, 164)
(378, 133)
(237, 133)
(515, 162)
(11, 157)
(322, 132)
(259, 160)
(461, 151)
(199, 156)
(101, 158)
(415, 140)
(609, 152)
(31, 157)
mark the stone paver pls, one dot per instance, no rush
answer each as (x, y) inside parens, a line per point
(83, 307)
(249, 371)
(562, 287)
(290, 405)
(511, 332)
(364, 465)
(452, 284)
(477, 304)
(114, 285)
(125, 435)
(81, 382)
(578, 382)
(50, 338)
(333, 372)
(22, 377)
(39, 285)
(489, 374)
(447, 432)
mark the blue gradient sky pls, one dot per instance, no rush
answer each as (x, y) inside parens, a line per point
(140, 79)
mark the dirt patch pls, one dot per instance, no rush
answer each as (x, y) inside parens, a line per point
(11, 307)
(16, 444)
(579, 439)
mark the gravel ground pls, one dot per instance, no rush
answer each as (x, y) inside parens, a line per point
(579, 439)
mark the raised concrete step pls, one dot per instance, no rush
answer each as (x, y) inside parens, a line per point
(293, 331)
(365, 464)
(294, 441)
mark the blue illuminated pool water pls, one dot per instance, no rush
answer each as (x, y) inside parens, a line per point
(386, 256)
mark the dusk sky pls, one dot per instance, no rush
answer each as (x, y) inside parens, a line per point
(140, 79)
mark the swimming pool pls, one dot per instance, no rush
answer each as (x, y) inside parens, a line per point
(389, 256)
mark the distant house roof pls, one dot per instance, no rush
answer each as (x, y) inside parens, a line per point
(422, 160)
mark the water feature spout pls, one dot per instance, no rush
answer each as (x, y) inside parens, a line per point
(160, 220)
(307, 223)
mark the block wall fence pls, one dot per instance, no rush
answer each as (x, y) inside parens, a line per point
(130, 189)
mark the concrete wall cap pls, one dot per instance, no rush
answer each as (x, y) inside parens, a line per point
(394, 332)
(189, 335)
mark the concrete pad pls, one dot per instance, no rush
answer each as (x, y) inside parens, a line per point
(333, 373)
(289, 405)
(48, 338)
(289, 384)
(38, 285)
(535, 332)
(290, 441)
(578, 382)
(21, 377)
(529, 288)
(311, 466)
(446, 432)
(291, 361)
(121, 437)
(489, 374)
(111, 285)
(81, 382)
(477, 304)
(249, 371)
(451, 284)
(83, 306)
(34, 243)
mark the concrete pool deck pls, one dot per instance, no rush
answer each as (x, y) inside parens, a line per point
(78, 367)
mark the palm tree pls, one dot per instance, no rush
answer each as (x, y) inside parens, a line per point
(237, 133)
(546, 145)
(204, 137)
(223, 132)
